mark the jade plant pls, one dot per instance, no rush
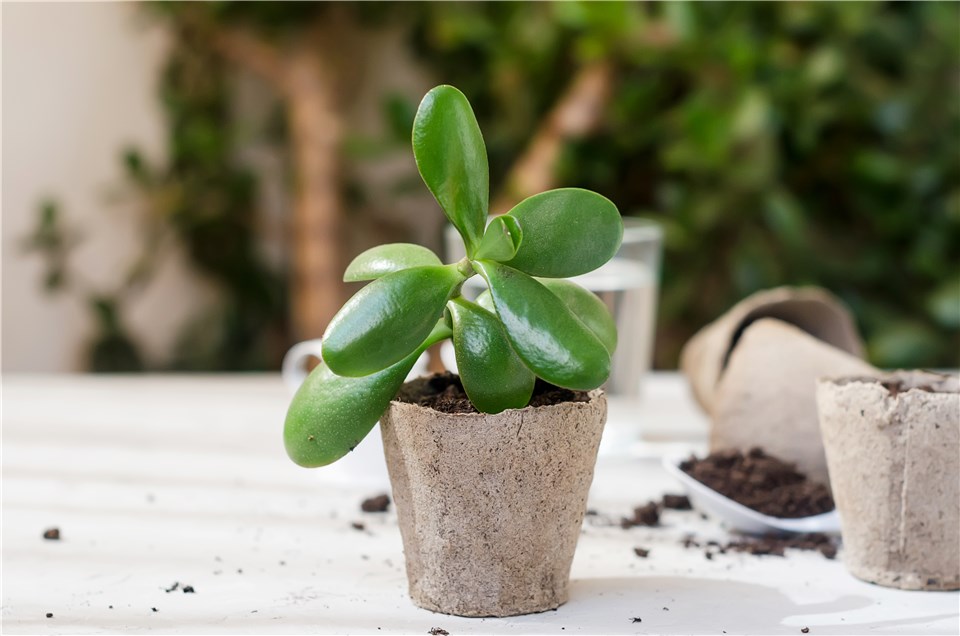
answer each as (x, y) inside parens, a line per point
(528, 323)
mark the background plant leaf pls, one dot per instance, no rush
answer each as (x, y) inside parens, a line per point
(550, 340)
(493, 376)
(452, 160)
(569, 232)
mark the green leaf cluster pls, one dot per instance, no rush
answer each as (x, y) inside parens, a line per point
(529, 323)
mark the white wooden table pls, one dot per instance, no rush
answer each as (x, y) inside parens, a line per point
(160, 479)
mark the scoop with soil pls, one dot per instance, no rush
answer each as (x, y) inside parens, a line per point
(756, 493)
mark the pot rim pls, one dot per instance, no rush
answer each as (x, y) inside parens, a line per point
(935, 383)
(595, 396)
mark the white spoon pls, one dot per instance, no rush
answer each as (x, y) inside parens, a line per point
(738, 516)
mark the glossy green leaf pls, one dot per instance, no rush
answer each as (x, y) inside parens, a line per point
(501, 239)
(586, 306)
(452, 160)
(493, 375)
(548, 337)
(331, 414)
(384, 259)
(569, 232)
(387, 319)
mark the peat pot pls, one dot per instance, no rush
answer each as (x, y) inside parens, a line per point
(754, 371)
(490, 506)
(891, 443)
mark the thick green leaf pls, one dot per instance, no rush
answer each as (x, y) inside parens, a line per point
(568, 232)
(550, 340)
(586, 306)
(387, 319)
(331, 414)
(383, 259)
(452, 160)
(493, 376)
(501, 240)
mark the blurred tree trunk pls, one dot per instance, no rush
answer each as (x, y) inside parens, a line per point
(577, 113)
(315, 135)
(308, 83)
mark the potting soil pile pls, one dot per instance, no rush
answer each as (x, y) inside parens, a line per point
(761, 482)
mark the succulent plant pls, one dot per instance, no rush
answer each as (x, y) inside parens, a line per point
(528, 323)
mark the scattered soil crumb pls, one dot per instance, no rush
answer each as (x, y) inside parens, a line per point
(437, 631)
(154, 609)
(356, 525)
(770, 545)
(51, 534)
(49, 614)
(172, 588)
(805, 630)
(643, 553)
(676, 502)
(761, 482)
(380, 503)
(188, 589)
(666, 609)
(636, 619)
(645, 515)
(110, 607)
(444, 392)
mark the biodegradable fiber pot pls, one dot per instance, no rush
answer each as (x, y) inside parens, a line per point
(490, 506)
(812, 309)
(895, 471)
(754, 371)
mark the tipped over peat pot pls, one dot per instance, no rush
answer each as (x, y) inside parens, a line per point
(490, 506)
(891, 443)
(754, 371)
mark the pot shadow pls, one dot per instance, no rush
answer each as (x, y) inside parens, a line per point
(699, 606)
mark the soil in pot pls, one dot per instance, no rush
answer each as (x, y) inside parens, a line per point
(444, 392)
(490, 506)
(761, 482)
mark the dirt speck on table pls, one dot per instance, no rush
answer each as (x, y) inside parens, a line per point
(380, 503)
(51, 534)
(645, 515)
(676, 502)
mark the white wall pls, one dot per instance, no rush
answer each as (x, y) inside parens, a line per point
(79, 84)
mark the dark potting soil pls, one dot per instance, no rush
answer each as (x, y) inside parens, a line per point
(761, 482)
(444, 392)
(380, 503)
(52, 534)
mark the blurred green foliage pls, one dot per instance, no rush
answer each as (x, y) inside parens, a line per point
(777, 143)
